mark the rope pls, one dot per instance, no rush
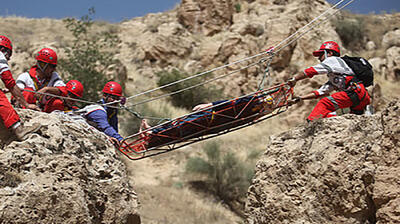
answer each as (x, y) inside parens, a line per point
(269, 51)
(298, 34)
(74, 99)
(315, 25)
(136, 114)
(266, 74)
(194, 86)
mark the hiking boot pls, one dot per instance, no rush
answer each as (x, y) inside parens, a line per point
(22, 132)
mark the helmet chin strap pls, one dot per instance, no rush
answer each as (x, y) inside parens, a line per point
(326, 54)
(6, 53)
(40, 67)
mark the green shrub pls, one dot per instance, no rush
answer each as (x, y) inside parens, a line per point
(148, 111)
(226, 176)
(351, 31)
(238, 7)
(89, 56)
(191, 97)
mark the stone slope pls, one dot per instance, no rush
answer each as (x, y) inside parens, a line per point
(65, 173)
(337, 170)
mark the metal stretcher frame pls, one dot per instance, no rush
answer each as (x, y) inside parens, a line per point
(134, 146)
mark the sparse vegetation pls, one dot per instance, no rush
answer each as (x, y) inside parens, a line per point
(352, 32)
(90, 55)
(226, 176)
(238, 7)
(191, 97)
(160, 111)
(366, 28)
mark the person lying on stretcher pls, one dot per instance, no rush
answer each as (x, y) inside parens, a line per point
(207, 119)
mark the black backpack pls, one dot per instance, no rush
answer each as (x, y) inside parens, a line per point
(362, 69)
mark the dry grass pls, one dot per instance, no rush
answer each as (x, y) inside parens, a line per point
(180, 206)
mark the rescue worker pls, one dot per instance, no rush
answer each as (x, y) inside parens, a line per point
(8, 115)
(104, 118)
(41, 75)
(351, 93)
(73, 90)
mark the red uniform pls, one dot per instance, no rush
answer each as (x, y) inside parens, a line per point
(350, 94)
(7, 113)
(73, 89)
(56, 103)
(30, 81)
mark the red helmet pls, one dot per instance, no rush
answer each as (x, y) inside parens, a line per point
(47, 55)
(75, 87)
(328, 45)
(5, 42)
(113, 88)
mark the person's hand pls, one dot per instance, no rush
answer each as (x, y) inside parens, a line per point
(39, 94)
(293, 101)
(202, 106)
(33, 107)
(114, 141)
(5, 90)
(291, 82)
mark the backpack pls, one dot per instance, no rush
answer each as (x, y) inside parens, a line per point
(362, 69)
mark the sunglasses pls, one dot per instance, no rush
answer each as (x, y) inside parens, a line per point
(8, 52)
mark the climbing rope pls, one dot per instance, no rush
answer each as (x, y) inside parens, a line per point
(271, 52)
(74, 99)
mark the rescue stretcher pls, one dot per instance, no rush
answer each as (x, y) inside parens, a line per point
(210, 122)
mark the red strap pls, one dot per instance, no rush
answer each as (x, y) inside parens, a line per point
(36, 82)
(29, 96)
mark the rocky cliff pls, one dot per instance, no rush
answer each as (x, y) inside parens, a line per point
(337, 170)
(67, 172)
(196, 36)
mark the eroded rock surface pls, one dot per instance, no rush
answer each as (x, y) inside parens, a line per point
(67, 172)
(337, 170)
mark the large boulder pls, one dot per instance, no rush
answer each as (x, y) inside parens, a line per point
(67, 172)
(337, 170)
(393, 63)
(391, 38)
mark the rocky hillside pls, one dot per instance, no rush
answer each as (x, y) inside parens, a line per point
(338, 170)
(200, 35)
(196, 36)
(67, 172)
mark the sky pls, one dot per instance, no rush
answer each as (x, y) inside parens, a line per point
(118, 10)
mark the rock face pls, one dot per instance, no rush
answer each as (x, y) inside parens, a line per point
(338, 170)
(389, 65)
(65, 173)
(206, 16)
